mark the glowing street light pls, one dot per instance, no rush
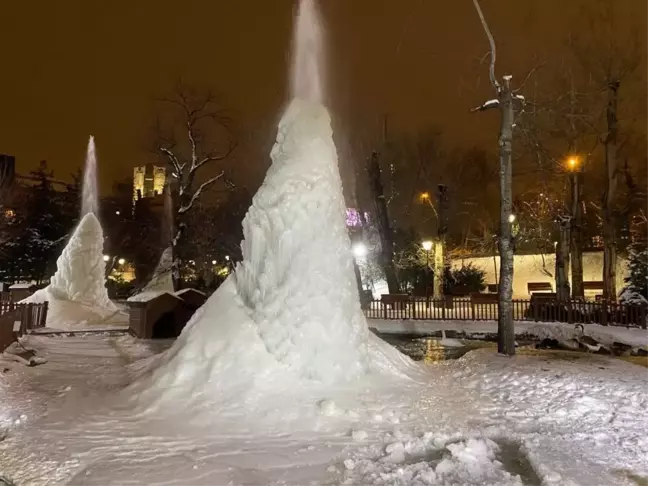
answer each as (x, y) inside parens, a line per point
(227, 258)
(573, 163)
(121, 261)
(427, 245)
(213, 262)
(511, 218)
(359, 250)
(425, 196)
(106, 258)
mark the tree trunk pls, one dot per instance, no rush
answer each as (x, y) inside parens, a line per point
(609, 226)
(562, 261)
(382, 222)
(440, 255)
(505, 329)
(171, 233)
(576, 185)
(439, 270)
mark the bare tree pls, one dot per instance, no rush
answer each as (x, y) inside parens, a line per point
(196, 137)
(608, 61)
(505, 103)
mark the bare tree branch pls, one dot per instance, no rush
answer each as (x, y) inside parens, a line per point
(186, 207)
(491, 40)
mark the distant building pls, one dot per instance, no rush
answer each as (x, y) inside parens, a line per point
(148, 181)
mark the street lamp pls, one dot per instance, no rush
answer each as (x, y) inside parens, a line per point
(425, 197)
(106, 258)
(121, 261)
(511, 218)
(359, 250)
(427, 246)
(573, 163)
(213, 262)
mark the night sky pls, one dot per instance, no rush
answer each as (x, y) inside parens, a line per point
(77, 67)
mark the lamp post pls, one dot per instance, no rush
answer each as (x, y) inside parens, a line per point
(574, 168)
(427, 246)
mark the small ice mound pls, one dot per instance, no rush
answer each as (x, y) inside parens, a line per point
(287, 321)
(77, 293)
(161, 281)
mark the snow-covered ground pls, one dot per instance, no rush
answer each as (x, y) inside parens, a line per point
(482, 420)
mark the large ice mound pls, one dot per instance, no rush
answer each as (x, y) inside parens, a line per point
(77, 293)
(289, 317)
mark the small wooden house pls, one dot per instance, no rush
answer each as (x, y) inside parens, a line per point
(157, 316)
(21, 291)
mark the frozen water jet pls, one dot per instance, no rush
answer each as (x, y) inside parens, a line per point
(288, 319)
(77, 293)
(307, 68)
(89, 192)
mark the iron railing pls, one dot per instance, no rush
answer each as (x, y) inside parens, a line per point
(481, 309)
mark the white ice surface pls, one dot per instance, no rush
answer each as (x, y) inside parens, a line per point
(77, 293)
(577, 421)
(287, 321)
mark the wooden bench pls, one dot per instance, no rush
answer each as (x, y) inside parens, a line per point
(396, 300)
(479, 298)
(459, 291)
(539, 287)
(593, 285)
(543, 296)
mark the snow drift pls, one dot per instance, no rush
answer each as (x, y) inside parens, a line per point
(288, 319)
(77, 292)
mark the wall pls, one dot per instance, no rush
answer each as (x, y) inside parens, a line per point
(534, 268)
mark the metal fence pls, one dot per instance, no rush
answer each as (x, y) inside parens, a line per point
(479, 309)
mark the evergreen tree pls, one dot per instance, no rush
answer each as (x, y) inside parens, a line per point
(636, 283)
(38, 230)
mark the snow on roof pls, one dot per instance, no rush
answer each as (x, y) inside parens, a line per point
(149, 295)
(183, 291)
(21, 286)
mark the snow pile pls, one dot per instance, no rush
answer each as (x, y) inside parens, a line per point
(161, 282)
(77, 292)
(288, 319)
(430, 461)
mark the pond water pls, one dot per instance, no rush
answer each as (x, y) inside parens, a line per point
(431, 349)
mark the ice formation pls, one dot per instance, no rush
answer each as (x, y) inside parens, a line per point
(288, 319)
(89, 191)
(77, 292)
(161, 281)
(289, 316)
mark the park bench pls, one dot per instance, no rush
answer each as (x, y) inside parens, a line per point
(397, 301)
(533, 287)
(593, 285)
(483, 306)
(459, 291)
